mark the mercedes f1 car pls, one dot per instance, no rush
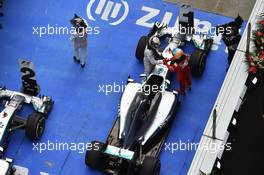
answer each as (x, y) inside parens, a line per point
(34, 125)
(10, 121)
(177, 37)
(145, 114)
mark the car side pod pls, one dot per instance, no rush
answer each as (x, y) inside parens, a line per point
(49, 102)
(176, 93)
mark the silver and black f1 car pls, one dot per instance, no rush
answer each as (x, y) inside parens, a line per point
(10, 121)
(139, 132)
(145, 113)
(34, 125)
(176, 37)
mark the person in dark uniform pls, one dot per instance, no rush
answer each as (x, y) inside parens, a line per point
(231, 36)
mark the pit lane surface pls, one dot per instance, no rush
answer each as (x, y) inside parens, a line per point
(82, 111)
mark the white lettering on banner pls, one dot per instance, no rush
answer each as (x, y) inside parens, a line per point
(144, 21)
(107, 10)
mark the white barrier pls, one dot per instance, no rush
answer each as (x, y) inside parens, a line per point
(227, 102)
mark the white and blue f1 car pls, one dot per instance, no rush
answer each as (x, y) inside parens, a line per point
(176, 37)
(139, 132)
(146, 110)
(10, 121)
(34, 125)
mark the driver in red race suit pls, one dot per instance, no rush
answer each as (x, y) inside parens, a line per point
(180, 64)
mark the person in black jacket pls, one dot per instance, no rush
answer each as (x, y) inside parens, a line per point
(231, 36)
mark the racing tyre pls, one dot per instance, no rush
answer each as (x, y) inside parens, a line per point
(35, 126)
(208, 45)
(150, 166)
(95, 158)
(197, 62)
(142, 43)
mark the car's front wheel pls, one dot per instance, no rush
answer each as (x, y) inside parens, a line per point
(35, 126)
(142, 43)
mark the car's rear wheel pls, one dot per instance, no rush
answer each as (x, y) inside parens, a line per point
(142, 43)
(35, 126)
(95, 157)
(197, 62)
(150, 166)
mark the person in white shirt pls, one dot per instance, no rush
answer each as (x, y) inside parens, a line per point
(79, 39)
(150, 54)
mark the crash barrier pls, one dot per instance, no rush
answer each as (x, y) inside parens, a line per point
(226, 106)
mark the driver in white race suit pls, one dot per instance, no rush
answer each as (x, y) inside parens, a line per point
(150, 54)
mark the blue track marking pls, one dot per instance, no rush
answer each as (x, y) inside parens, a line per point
(81, 113)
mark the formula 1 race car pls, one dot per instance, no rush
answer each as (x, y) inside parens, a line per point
(10, 121)
(145, 115)
(34, 125)
(146, 111)
(176, 37)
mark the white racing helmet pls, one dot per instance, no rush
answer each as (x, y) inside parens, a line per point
(154, 42)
